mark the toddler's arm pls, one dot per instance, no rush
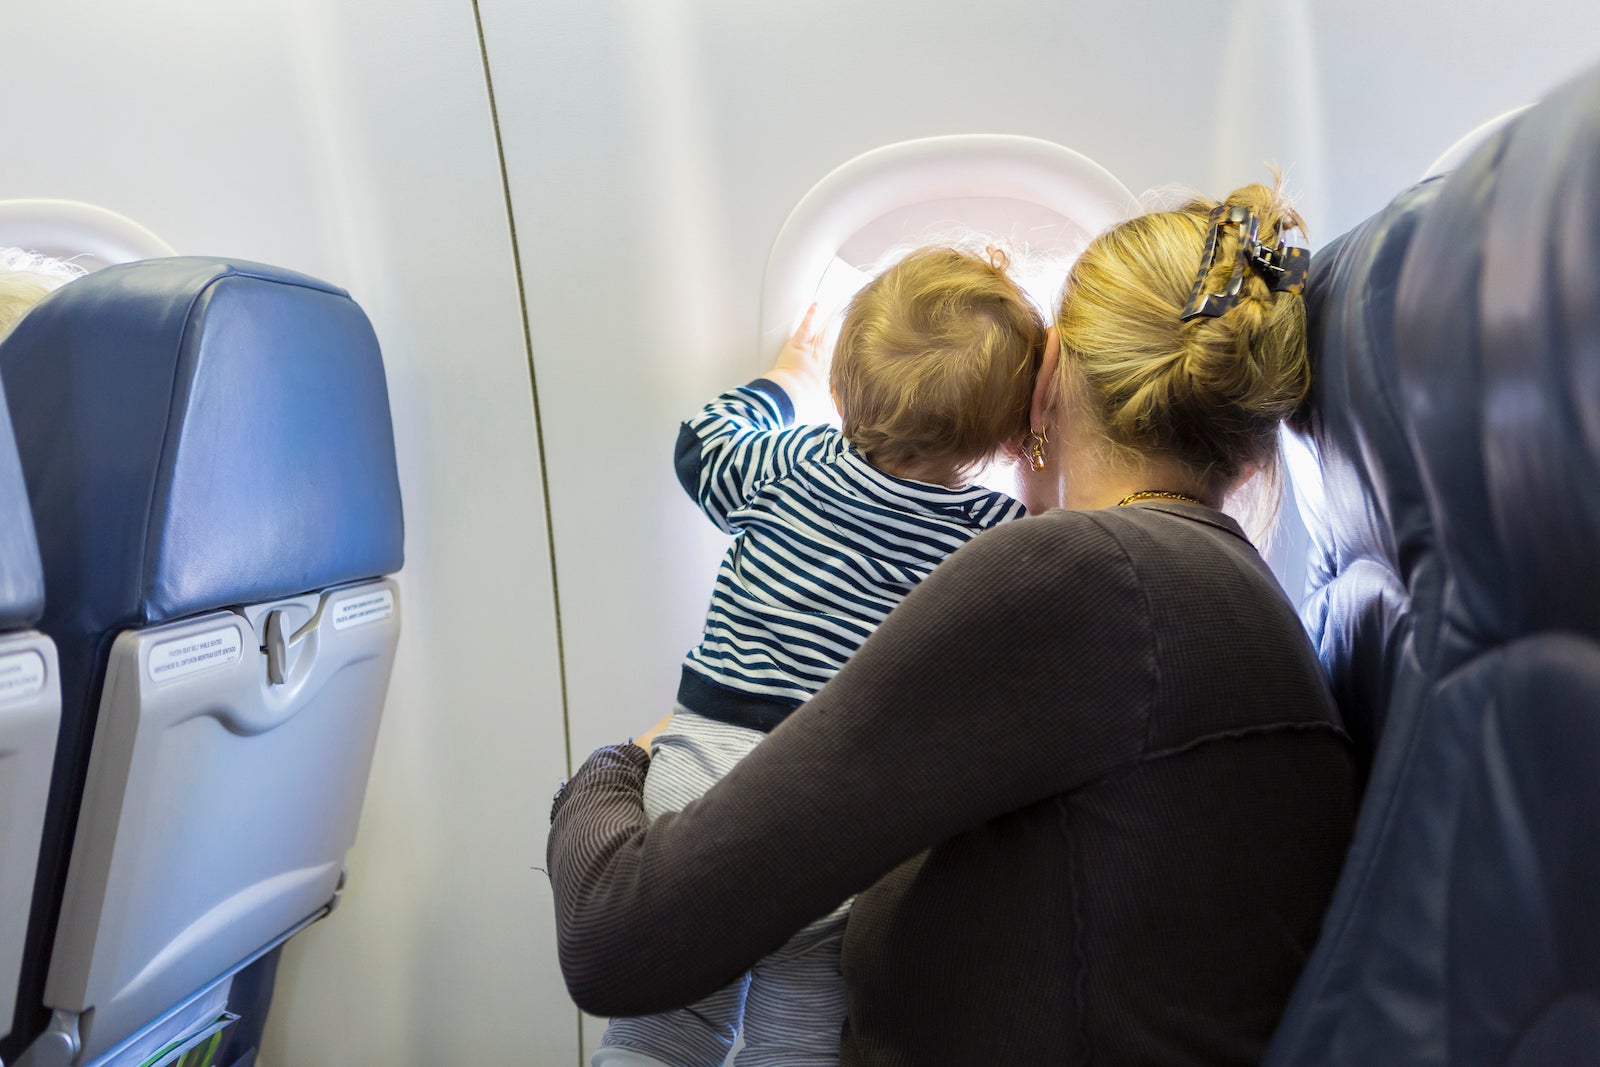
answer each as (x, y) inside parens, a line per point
(746, 437)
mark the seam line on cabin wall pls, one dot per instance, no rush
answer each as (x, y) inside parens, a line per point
(533, 383)
(538, 419)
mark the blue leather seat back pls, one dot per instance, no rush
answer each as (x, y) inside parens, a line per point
(226, 425)
(197, 434)
(1462, 429)
(21, 578)
(30, 707)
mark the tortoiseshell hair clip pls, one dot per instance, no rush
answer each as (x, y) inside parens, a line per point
(1283, 268)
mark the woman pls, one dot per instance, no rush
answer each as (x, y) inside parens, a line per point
(1087, 777)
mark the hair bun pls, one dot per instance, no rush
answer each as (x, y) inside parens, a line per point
(1252, 358)
(1209, 391)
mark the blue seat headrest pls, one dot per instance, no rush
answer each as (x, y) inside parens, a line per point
(198, 433)
(21, 580)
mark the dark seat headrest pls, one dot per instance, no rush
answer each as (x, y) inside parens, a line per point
(1370, 528)
(1502, 377)
(1456, 341)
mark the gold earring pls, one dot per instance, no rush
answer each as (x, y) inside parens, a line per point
(1040, 439)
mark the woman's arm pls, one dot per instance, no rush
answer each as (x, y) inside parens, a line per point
(1020, 669)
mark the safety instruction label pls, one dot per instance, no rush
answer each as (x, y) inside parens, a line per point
(194, 653)
(363, 608)
(21, 675)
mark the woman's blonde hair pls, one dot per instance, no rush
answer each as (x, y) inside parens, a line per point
(1209, 392)
(935, 363)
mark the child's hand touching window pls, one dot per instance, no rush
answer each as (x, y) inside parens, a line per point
(802, 370)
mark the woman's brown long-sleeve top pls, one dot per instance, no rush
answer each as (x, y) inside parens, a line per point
(1087, 778)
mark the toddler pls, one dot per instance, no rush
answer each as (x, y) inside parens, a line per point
(932, 374)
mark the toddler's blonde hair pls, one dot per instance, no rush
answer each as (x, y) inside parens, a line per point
(935, 364)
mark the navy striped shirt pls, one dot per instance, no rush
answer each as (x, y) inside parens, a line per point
(825, 545)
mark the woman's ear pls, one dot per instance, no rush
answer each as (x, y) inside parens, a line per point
(1044, 387)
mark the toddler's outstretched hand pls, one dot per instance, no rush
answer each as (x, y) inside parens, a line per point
(802, 370)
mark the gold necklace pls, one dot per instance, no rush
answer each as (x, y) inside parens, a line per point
(1157, 494)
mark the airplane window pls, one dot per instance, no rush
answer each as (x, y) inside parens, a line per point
(1041, 241)
(1039, 202)
(89, 236)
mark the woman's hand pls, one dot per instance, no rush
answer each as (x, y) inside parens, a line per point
(802, 370)
(645, 739)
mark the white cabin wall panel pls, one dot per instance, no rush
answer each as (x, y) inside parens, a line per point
(353, 141)
(1402, 82)
(1267, 112)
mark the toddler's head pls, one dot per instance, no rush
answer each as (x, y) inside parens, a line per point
(935, 364)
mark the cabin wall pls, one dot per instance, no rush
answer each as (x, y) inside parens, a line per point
(353, 141)
(1399, 83)
(654, 147)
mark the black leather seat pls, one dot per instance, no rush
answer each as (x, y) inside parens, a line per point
(1456, 337)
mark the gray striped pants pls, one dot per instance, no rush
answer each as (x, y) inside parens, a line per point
(791, 1004)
